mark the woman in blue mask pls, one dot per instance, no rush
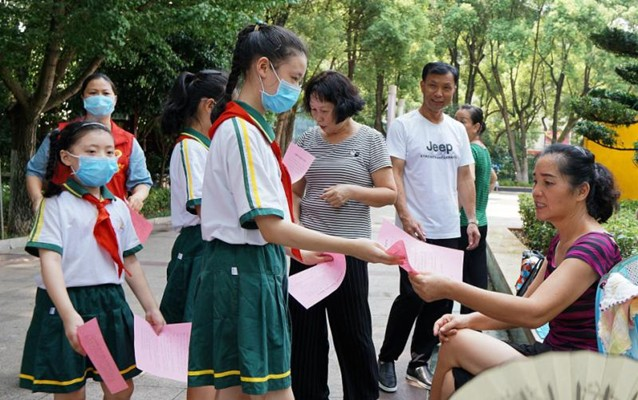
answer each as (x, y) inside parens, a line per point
(132, 180)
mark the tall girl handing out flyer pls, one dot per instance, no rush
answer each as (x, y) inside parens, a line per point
(240, 340)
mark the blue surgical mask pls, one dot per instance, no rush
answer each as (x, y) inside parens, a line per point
(284, 99)
(99, 106)
(95, 171)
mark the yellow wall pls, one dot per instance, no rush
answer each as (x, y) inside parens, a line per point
(620, 163)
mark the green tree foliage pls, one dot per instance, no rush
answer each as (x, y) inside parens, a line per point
(523, 62)
(603, 109)
(45, 53)
(388, 45)
(48, 47)
(567, 71)
(393, 50)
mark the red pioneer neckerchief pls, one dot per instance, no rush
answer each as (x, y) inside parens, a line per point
(103, 230)
(235, 110)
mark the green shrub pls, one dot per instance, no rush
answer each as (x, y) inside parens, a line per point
(623, 225)
(158, 203)
(507, 182)
(536, 234)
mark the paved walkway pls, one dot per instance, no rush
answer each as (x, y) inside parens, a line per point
(17, 296)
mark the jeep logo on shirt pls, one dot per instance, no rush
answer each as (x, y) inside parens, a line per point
(442, 147)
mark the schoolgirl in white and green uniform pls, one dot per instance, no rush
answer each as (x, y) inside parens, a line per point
(64, 224)
(242, 289)
(86, 243)
(187, 111)
(240, 339)
(186, 172)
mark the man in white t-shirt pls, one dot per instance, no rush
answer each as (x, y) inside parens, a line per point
(431, 159)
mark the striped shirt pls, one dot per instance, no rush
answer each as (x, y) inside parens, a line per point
(352, 161)
(575, 327)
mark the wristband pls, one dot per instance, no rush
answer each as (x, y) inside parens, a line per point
(473, 222)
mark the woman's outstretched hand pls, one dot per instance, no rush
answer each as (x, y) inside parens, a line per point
(430, 286)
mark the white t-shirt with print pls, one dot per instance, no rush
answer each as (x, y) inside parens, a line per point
(433, 154)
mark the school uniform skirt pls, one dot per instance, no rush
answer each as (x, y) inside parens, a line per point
(49, 363)
(181, 275)
(241, 333)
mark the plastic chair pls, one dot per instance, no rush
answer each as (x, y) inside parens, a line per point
(629, 269)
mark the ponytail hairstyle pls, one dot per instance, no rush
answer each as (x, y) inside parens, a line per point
(476, 115)
(254, 41)
(64, 140)
(184, 98)
(579, 166)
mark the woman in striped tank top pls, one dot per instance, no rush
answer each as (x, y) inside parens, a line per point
(575, 194)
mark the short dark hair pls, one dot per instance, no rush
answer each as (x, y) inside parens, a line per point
(335, 88)
(440, 68)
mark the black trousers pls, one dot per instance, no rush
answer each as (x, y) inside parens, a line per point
(348, 313)
(407, 308)
(474, 262)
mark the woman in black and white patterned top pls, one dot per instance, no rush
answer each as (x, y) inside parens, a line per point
(351, 173)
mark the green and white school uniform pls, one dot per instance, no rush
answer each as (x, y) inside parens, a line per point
(64, 224)
(241, 333)
(187, 174)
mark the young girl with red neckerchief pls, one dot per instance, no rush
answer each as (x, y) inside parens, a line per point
(87, 244)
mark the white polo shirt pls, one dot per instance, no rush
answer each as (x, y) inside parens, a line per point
(242, 180)
(187, 175)
(65, 223)
(432, 153)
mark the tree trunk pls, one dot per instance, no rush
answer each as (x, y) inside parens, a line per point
(556, 110)
(522, 175)
(163, 180)
(378, 111)
(23, 129)
(454, 61)
(284, 129)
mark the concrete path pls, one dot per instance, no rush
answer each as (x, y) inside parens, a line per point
(17, 297)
